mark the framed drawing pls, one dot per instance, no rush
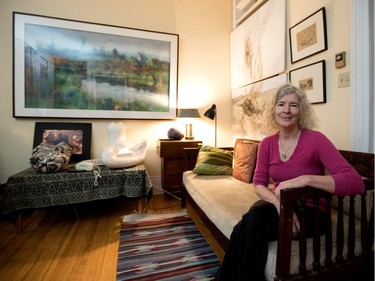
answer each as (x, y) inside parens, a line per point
(258, 45)
(250, 107)
(76, 135)
(74, 69)
(309, 36)
(242, 9)
(311, 78)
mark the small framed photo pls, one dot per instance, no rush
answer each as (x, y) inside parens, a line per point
(76, 135)
(309, 36)
(311, 78)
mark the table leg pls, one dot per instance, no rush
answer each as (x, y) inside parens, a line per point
(19, 222)
(75, 211)
(142, 203)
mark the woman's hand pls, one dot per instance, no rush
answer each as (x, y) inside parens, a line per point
(295, 226)
(293, 183)
(266, 194)
(325, 183)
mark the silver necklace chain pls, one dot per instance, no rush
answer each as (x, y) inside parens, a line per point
(284, 154)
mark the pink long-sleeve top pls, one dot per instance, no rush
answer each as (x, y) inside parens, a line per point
(314, 155)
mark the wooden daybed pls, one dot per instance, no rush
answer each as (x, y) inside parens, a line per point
(346, 248)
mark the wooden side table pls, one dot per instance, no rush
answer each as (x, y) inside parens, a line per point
(30, 189)
(171, 154)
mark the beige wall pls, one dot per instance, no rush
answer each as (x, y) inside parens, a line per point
(333, 115)
(204, 78)
(203, 27)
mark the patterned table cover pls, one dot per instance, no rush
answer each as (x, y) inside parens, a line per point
(30, 189)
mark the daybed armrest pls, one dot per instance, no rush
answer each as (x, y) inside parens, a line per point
(364, 164)
(289, 197)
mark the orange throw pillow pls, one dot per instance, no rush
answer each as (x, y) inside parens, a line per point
(244, 159)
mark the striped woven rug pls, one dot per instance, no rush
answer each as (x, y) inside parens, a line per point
(164, 247)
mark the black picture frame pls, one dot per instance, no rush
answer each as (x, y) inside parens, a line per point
(309, 36)
(77, 135)
(311, 78)
(66, 68)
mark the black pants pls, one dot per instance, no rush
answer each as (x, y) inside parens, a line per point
(246, 256)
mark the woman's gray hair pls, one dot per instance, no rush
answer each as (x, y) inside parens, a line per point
(308, 118)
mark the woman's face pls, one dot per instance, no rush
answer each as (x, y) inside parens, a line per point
(287, 111)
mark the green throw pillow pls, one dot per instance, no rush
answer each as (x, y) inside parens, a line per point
(213, 161)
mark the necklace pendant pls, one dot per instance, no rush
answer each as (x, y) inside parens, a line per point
(284, 155)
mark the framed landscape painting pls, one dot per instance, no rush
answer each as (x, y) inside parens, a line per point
(73, 69)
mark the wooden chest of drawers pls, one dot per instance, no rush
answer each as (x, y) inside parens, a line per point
(171, 154)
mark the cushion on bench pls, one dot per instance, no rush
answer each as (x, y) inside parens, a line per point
(223, 198)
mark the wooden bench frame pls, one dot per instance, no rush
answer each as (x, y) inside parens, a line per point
(334, 267)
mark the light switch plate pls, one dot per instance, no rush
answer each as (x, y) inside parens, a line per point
(344, 79)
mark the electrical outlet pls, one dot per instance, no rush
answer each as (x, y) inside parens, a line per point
(344, 80)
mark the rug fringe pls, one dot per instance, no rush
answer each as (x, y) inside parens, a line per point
(146, 211)
(150, 212)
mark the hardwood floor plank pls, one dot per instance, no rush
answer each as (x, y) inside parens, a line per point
(37, 251)
(56, 245)
(69, 251)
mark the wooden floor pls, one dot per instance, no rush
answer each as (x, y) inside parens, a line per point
(81, 243)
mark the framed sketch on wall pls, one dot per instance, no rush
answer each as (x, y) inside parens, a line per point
(73, 69)
(309, 36)
(242, 9)
(311, 78)
(258, 45)
(250, 106)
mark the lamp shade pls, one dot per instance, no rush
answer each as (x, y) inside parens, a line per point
(211, 112)
(188, 113)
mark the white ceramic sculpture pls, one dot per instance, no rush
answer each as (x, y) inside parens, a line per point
(117, 154)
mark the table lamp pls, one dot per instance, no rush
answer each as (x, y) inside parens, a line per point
(188, 113)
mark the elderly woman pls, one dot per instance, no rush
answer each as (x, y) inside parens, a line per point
(294, 156)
